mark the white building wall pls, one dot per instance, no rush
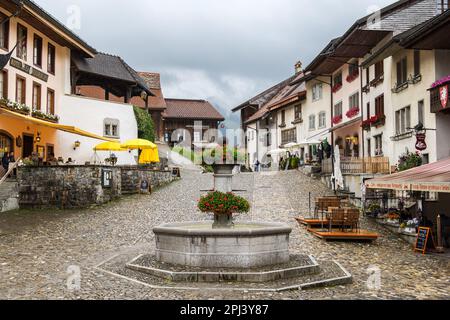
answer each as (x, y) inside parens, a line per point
(311, 107)
(89, 115)
(410, 97)
(383, 88)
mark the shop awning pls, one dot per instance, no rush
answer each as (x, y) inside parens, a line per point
(57, 126)
(433, 177)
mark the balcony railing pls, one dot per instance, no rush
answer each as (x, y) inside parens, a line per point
(369, 165)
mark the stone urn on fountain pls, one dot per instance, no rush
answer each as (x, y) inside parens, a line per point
(223, 206)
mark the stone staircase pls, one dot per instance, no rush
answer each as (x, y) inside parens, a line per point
(9, 195)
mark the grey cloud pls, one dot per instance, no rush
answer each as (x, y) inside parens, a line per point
(222, 50)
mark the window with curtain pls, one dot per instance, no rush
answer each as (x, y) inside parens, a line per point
(36, 96)
(322, 120)
(50, 101)
(312, 122)
(4, 33)
(37, 51)
(22, 37)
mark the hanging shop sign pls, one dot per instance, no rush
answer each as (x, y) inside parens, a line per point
(443, 95)
(28, 69)
(421, 143)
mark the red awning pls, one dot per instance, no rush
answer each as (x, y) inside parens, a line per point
(433, 177)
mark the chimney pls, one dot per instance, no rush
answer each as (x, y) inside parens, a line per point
(298, 67)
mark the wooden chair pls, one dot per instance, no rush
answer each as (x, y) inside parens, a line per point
(337, 217)
(352, 218)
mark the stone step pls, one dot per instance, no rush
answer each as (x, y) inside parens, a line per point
(9, 195)
(298, 266)
(329, 274)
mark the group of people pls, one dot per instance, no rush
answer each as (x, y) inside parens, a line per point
(8, 160)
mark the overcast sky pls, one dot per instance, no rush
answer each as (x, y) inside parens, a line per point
(225, 51)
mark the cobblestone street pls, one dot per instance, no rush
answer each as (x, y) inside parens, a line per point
(37, 247)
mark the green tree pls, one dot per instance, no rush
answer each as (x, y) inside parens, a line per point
(146, 127)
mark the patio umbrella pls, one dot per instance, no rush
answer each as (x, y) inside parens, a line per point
(149, 156)
(139, 144)
(109, 146)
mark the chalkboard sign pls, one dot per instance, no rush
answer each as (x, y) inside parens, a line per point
(107, 178)
(422, 239)
(145, 187)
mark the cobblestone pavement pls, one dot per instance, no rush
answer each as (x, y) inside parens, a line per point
(37, 247)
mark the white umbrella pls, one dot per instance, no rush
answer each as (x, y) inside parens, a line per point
(277, 151)
(338, 177)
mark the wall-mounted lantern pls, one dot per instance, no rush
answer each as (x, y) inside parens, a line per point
(76, 145)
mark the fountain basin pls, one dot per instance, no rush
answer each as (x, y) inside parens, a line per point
(246, 245)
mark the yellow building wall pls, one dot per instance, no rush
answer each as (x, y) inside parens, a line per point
(17, 128)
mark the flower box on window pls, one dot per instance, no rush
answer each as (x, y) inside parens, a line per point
(378, 120)
(353, 112)
(366, 125)
(14, 106)
(375, 82)
(337, 119)
(336, 87)
(45, 116)
(352, 77)
(366, 88)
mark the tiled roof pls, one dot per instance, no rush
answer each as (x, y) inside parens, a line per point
(288, 95)
(109, 66)
(265, 96)
(263, 99)
(191, 109)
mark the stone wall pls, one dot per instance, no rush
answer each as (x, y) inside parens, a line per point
(66, 186)
(132, 176)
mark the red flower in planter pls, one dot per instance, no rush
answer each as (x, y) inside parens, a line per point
(374, 119)
(337, 119)
(353, 76)
(353, 112)
(336, 87)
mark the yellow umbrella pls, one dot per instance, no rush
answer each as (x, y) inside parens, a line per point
(139, 144)
(149, 156)
(109, 146)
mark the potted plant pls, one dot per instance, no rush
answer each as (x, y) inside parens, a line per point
(366, 125)
(353, 112)
(337, 119)
(223, 206)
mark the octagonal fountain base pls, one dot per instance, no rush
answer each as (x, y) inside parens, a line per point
(246, 245)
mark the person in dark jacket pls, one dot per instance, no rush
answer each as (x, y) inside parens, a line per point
(5, 161)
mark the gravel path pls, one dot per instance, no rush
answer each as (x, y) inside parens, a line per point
(37, 248)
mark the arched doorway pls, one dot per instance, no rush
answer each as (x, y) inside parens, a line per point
(6, 143)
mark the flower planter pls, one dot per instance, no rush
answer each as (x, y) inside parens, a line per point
(337, 119)
(336, 88)
(45, 119)
(352, 77)
(24, 112)
(353, 112)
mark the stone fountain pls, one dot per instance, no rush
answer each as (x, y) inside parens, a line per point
(203, 244)
(243, 255)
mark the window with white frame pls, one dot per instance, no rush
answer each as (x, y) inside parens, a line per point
(317, 91)
(378, 145)
(322, 119)
(353, 101)
(403, 120)
(338, 109)
(312, 122)
(111, 128)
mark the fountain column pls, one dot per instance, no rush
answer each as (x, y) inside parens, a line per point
(223, 177)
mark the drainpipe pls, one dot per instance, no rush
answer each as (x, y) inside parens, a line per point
(363, 139)
(332, 134)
